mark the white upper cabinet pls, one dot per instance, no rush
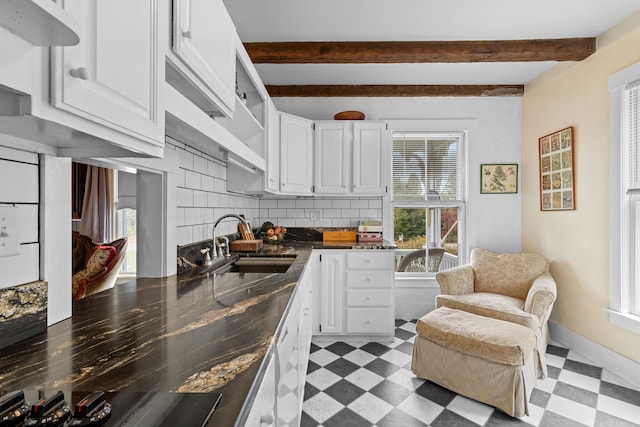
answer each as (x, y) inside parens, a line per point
(332, 141)
(204, 45)
(296, 156)
(350, 158)
(273, 148)
(112, 76)
(369, 160)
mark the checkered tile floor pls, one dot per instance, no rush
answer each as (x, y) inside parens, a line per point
(368, 384)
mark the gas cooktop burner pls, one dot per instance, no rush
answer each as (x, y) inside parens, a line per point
(144, 409)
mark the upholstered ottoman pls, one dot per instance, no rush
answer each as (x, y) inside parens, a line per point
(485, 359)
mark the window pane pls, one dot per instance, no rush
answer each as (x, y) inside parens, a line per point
(631, 134)
(425, 167)
(434, 228)
(409, 228)
(126, 227)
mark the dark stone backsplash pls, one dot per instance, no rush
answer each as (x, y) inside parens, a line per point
(23, 312)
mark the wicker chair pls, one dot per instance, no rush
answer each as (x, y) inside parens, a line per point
(416, 261)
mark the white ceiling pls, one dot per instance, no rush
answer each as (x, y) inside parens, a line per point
(418, 20)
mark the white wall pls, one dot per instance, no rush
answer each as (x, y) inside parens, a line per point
(577, 241)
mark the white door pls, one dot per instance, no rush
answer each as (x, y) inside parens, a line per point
(331, 147)
(369, 164)
(203, 38)
(112, 76)
(273, 148)
(331, 290)
(295, 155)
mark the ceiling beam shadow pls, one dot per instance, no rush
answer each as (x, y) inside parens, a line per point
(388, 52)
(326, 91)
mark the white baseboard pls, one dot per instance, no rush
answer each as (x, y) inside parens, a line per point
(617, 364)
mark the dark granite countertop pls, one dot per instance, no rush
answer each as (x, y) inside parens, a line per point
(197, 332)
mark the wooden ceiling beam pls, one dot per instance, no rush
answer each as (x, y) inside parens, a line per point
(326, 91)
(387, 52)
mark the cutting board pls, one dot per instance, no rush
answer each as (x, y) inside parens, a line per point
(246, 245)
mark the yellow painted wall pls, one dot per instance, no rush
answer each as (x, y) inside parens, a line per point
(577, 242)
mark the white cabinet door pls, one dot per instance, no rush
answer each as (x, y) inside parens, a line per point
(295, 155)
(369, 164)
(263, 411)
(203, 39)
(287, 349)
(273, 148)
(113, 75)
(330, 291)
(331, 147)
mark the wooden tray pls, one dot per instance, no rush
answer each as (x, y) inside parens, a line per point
(246, 245)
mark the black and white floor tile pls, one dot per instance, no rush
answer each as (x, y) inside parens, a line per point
(371, 384)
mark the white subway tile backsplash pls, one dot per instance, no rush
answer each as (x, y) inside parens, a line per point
(185, 159)
(200, 164)
(350, 213)
(184, 236)
(303, 222)
(332, 213)
(359, 203)
(200, 199)
(341, 204)
(268, 204)
(192, 216)
(213, 200)
(208, 183)
(304, 204)
(295, 213)
(219, 185)
(184, 197)
(199, 233)
(193, 180)
(212, 168)
(343, 222)
(273, 213)
(287, 203)
(370, 213)
(375, 204)
(322, 203)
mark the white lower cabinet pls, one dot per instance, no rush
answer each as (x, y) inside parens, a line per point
(279, 398)
(263, 411)
(353, 292)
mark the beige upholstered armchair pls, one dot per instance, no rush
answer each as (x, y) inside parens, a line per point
(512, 287)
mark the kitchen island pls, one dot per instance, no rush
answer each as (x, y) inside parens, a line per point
(197, 332)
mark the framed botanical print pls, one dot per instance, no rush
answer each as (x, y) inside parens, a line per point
(499, 178)
(557, 189)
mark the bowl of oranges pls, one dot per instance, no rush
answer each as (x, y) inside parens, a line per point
(272, 233)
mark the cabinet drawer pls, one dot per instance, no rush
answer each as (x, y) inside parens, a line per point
(368, 298)
(369, 279)
(370, 320)
(369, 260)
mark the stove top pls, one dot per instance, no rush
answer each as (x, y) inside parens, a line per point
(75, 409)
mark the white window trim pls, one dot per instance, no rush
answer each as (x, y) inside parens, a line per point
(618, 265)
(465, 126)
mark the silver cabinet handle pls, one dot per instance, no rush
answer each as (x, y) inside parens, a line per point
(80, 73)
(186, 34)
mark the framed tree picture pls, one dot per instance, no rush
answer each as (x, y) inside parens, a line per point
(557, 189)
(499, 178)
